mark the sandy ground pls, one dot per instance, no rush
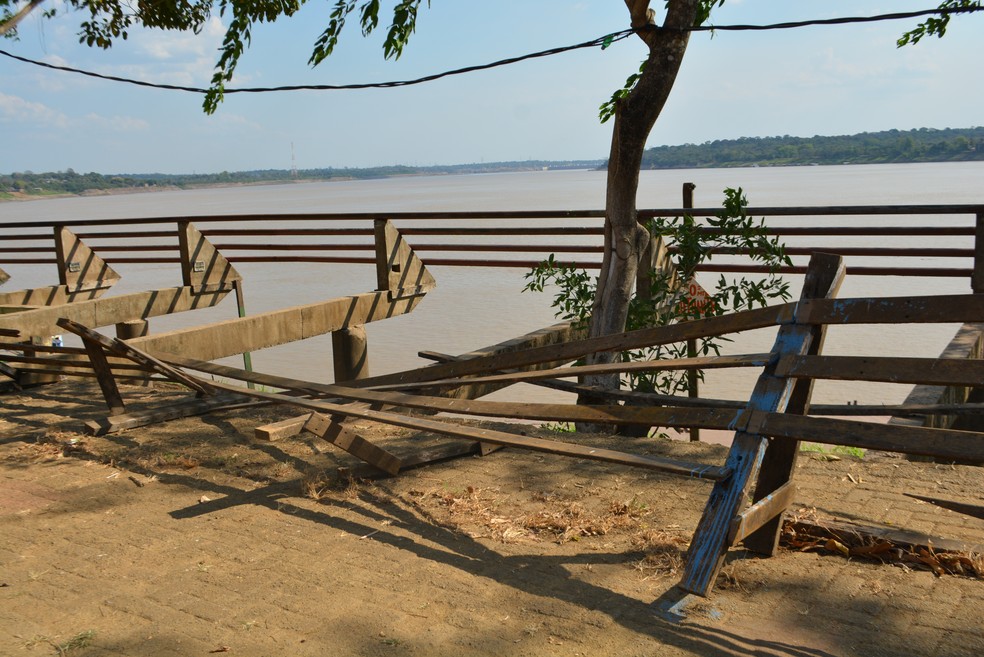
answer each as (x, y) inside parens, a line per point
(194, 538)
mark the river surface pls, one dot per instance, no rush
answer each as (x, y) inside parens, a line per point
(475, 307)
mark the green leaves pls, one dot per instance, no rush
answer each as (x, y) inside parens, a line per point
(574, 289)
(608, 109)
(695, 242)
(935, 26)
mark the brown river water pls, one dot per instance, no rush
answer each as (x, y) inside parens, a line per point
(475, 307)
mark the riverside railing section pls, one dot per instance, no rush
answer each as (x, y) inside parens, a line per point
(884, 240)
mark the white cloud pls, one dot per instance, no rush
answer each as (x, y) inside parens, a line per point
(117, 123)
(18, 110)
(171, 45)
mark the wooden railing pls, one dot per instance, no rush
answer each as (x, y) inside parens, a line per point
(930, 240)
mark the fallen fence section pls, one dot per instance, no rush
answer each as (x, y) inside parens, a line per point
(762, 459)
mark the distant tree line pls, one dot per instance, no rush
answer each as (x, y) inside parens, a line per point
(70, 182)
(922, 145)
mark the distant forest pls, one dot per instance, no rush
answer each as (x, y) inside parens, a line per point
(28, 183)
(922, 145)
(890, 146)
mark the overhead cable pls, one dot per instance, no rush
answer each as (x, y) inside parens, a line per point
(603, 42)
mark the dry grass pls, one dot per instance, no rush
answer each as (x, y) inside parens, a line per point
(52, 445)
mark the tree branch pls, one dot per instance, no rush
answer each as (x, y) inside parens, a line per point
(12, 22)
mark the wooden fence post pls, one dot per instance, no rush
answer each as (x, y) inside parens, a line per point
(350, 353)
(977, 278)
(693, 381)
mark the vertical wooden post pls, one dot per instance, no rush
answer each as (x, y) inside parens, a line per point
(780, 456)
(134, 328)
(26, 379)
(693, 381)
(104, 375)
(350, 353)
(772, 394)
(977, 278)
(237, 285)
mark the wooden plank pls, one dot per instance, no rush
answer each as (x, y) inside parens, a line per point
(83, 374)
(771, 393)
(941, 443)
(767, 509)
(185, 408)
(8, 371)
(951, 308)
(929, 371)
(71, 361)
(337, 434)
(569, 351)
(79, 268)
(283, 429)
(50, 295)
(779, 461)
(262, 330)
(849, 532)
(104, 375)
(111, 310)
(623, 395)
(977, 278)
(123, 349)
(398, 269)
(203, 268)
(703, 362)
(557, 333)
(708, 418)
(972, 510)
(9, 333)
(670, 466)
(452, 450)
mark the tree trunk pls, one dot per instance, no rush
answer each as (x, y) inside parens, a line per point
(635, 115)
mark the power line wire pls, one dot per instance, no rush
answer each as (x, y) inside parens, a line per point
(603, 42)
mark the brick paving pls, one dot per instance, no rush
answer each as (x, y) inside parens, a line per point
(258, 569)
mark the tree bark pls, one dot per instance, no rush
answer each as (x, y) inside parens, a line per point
(635, 115)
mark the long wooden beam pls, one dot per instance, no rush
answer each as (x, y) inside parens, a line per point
(240, 335)
(708, 418)
(568, 351)
(703, 362)
(941, 443)
(112, 310)
(951, 308)
(772, 395)
(926, 371)
(51, 295)
(687, 469)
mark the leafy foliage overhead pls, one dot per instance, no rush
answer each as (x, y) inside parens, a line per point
(936, 25)
(110, 20)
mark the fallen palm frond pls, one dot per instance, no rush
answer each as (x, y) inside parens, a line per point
(815, 536)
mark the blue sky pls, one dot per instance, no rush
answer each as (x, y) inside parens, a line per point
(817, 80)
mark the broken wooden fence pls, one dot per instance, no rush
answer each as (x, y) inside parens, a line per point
(208, 276)
(768, 428)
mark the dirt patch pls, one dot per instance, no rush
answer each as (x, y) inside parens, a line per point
(193, 538)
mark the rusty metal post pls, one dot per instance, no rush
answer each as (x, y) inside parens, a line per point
(693, 381)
